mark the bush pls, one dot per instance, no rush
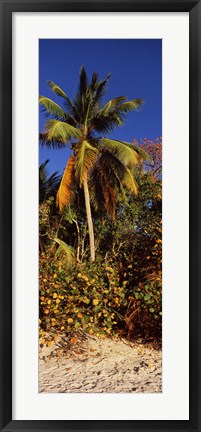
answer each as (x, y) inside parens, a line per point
(86, 296)
(147, 299)
(96, 298)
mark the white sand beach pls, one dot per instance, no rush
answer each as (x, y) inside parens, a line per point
(88, 364)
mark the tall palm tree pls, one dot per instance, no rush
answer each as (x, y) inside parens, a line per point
(79, 123)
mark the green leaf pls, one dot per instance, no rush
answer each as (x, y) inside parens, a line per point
(52, 107)
(60, 131)
(128, 180)
(149, 301)
(58, 91)
(77, 324)
(131, 105)
(85, 160)
(65, 250)
(110, 104)
(125, 154)
(97, 308)
(67, 278)
(86, 300)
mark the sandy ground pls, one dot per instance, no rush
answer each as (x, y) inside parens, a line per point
(87, 364)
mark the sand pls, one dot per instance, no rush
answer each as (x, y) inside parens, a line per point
(88, 364)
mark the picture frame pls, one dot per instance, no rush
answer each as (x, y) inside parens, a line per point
(7, 8)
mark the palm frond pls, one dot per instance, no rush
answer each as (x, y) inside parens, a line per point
(66, 191)
(117, 100)
(94, 82)
(102, 192)
(85, 160)
(83, 81)
(101, 88)
(128, 180)
(43, 172)
(48, 184)
(55, 144)
(128, 106)
(109, 105)
(143, 154)
(58, 91)
(125, 154)
(65, 252)
(113, 113)
(51, 107)
(115, 171)
(108, 121)
(54, 179)
(60, 131)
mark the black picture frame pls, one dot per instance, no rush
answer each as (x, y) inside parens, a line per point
(7, 7)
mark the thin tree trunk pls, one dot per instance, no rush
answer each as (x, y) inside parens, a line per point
(78, 239)
(89, 220)
(41, 248)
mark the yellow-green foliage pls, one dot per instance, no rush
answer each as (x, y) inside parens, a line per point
(98, 298)
(87, 297)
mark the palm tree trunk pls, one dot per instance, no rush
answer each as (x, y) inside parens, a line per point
(89, 220)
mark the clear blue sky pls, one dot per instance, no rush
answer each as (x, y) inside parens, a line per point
(136, 67)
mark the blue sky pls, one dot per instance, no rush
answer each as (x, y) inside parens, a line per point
(136, 67)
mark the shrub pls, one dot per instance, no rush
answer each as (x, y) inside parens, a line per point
(86, 296)
(148, 297)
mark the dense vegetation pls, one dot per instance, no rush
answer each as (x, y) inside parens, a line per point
(101, 223)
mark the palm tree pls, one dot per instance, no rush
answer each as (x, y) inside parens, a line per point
(48, 184)
(80, 124)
